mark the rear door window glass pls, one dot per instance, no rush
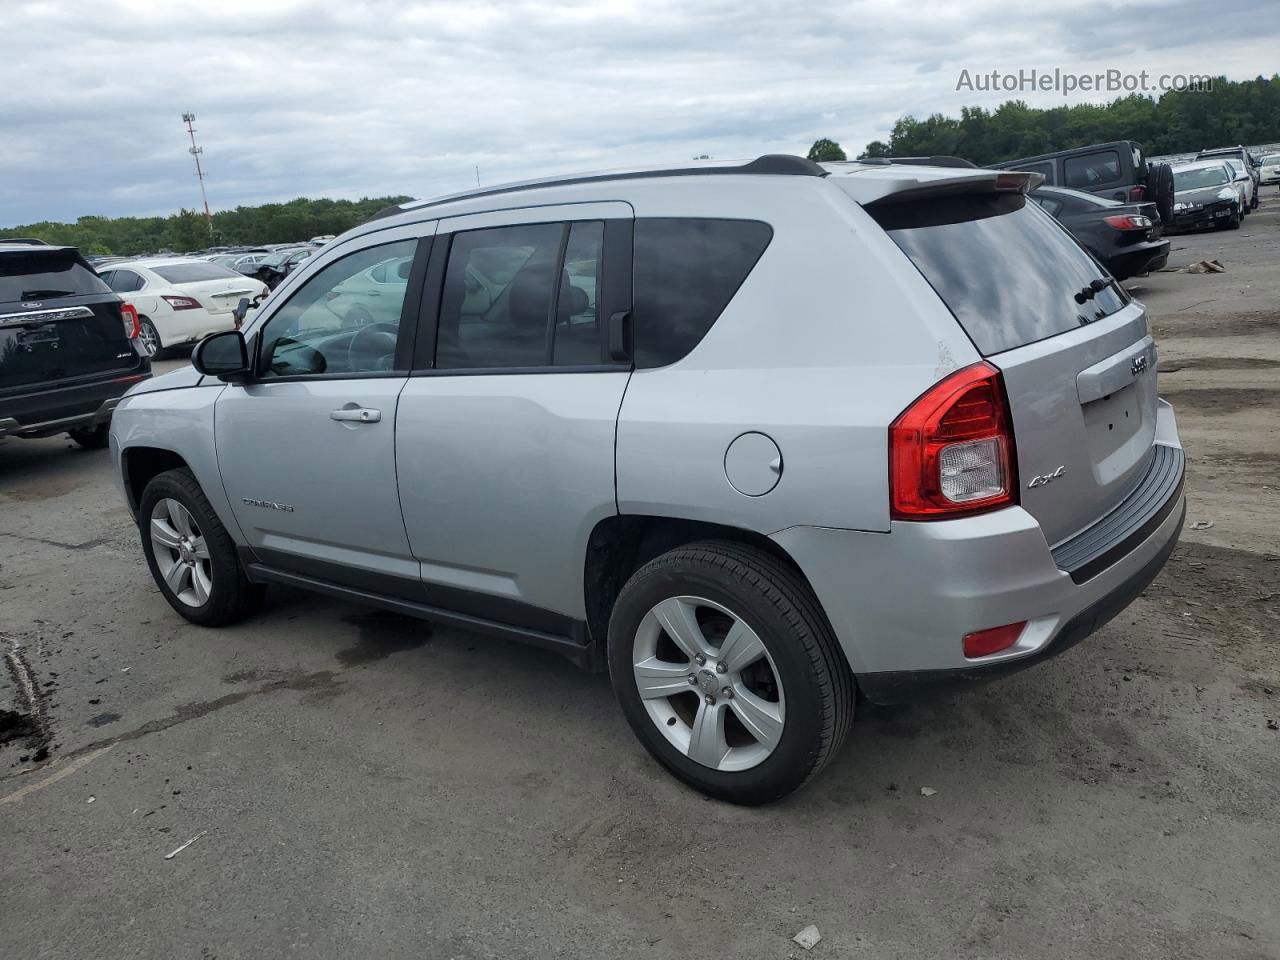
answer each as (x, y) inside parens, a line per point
(1092, 170)
(125, 281)
(576, 336)
(1006, 269)
(685, 273)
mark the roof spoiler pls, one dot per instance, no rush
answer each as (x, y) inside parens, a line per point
(932, 161)
(984, 181)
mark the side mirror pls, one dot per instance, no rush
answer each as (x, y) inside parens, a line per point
(222, 355)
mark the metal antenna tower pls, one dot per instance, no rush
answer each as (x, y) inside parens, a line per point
(189, 119)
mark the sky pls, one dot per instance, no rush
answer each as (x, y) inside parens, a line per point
(383, 97)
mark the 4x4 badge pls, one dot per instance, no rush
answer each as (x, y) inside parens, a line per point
(1044, 478)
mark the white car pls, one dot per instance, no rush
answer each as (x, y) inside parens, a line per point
(1243, 183)
(1270, 168)
(180, 300)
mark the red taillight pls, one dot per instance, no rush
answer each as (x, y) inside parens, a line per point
(951, 452)
(986, 642)
(1126, 221)
(130, 316)
(182, 303)
(1137, 194)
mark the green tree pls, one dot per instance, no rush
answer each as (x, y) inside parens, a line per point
(824, 150)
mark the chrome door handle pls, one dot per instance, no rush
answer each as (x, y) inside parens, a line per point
(358, 414)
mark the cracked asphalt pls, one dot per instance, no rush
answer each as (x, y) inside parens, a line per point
(362, 785)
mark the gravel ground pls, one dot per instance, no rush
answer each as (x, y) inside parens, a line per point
(362, 785)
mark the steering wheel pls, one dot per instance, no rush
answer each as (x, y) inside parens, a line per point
(375, 342)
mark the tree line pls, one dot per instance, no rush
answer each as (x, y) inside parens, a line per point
(187, 230)
(1232, 112)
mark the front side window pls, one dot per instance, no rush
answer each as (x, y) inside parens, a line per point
(1093, 170)
(521, 296)
(342, 320)
(685, 273)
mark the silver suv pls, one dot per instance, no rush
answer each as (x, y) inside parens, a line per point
(761, 439)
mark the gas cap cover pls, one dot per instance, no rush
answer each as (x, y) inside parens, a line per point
(753, 464)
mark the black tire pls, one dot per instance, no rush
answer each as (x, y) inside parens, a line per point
(148, 329)
(1233, 221)
(1160, 184)
(92, 438)
(773, 600)
(232, 597)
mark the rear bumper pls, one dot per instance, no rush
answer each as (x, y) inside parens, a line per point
(901, 603)
(1138, 258)
(59, 408)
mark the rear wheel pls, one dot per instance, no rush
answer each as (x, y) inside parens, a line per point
(92, 438)
(728, 671)
(149, 339)
(192, 557)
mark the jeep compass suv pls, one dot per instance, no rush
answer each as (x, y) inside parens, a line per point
(761, 439)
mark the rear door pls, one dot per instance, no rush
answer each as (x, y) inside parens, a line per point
(1077, 358)
(58, 322)
(505, 432)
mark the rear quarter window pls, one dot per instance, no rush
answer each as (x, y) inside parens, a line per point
(1006, 270)
(686, 271)
(1092, 170)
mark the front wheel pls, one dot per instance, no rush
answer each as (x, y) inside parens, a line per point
(192, 557)
(728, 672)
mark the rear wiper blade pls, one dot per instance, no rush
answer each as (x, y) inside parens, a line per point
(48, 293)
(1094, 288)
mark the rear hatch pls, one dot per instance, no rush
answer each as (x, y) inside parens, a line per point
(1074, 349)
(58, 321)
(217, 288)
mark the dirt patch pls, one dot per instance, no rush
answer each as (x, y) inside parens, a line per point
(15, 726)
(1191, 326)
(1219, 363)
(382, 634)
(30, 721)
(1222, 401)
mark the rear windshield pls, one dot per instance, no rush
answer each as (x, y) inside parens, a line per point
(45, 275)
(1005, 268)
(1198, 178)
(194, 272)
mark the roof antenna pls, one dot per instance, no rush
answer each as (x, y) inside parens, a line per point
(477, 174)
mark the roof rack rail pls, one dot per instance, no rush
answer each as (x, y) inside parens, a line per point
(771, 164)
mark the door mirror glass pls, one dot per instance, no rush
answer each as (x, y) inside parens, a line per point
(222, 355)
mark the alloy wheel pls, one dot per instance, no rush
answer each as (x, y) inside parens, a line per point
(181, 554)
(149, 339)
(708, 683)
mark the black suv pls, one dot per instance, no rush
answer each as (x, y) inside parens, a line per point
(67, 345)
(1117, 170)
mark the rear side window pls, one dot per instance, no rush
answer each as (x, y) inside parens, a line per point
(1006, 270)
(125, 281)
(194, 272)
(1092, 170)
(685, 273)
(46, 275)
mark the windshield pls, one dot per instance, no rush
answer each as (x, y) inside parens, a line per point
(1235, 166)
(52, 273)
(1006, 269)
(194, 272)
(1197, 178)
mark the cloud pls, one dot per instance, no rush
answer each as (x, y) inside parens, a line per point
(398, 97)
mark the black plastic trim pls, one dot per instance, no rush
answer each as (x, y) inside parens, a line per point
(906, 686)
(1094, 549)
(485, 613)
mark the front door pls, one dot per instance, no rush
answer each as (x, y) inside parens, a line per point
(505, 441)
(307, 448)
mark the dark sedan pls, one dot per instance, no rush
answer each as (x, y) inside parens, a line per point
(1124, 237)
